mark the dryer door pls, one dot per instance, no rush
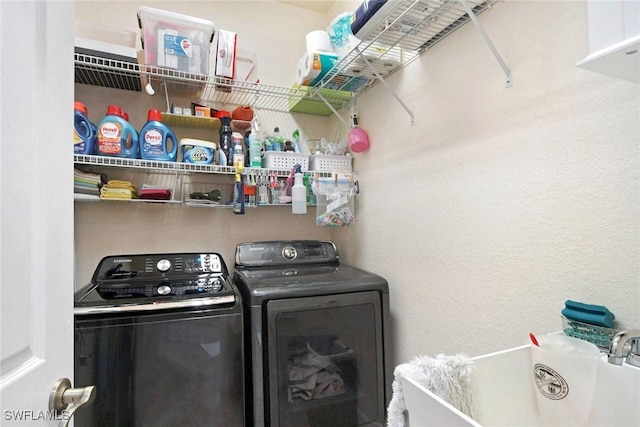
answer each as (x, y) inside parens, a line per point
(325, 361)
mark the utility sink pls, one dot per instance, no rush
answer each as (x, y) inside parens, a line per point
(505, 395)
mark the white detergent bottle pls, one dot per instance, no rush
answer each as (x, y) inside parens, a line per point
(298, 193)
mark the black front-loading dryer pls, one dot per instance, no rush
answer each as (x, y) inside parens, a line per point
(161, 338)
(316, 332)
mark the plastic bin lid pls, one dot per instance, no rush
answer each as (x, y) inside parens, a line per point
(145, 12)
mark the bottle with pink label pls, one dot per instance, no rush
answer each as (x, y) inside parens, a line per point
(157, 140)
(116, 136)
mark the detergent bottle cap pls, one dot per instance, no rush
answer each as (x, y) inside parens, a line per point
(79, 106)
(114, 110)
(154, 114)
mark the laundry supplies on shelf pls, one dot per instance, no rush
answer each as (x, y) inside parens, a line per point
(116, 136)
(84, 131)
(157, 140)
(118, 190)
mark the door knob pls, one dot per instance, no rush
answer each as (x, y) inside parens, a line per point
(65, 398)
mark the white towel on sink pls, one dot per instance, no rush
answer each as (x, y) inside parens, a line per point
(448, 377)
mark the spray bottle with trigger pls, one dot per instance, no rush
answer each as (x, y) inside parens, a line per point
(298, 193)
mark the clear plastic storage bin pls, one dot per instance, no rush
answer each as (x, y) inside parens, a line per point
(174, 41)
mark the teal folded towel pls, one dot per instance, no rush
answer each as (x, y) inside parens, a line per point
(588, 313)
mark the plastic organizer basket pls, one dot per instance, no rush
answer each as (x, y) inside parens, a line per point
(597, 335)
(285, 160)
(325, 162)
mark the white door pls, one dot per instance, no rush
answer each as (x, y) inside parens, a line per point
(36, 206)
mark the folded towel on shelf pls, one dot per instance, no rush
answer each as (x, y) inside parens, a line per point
(112, 193)
(87, 183)
(79, 189)
(154, 192)
(81, 196)
(78, 183)
(115, 189)
(89, 177)
(115, 183)
(84, 181)
(151, 194)
(448, 377)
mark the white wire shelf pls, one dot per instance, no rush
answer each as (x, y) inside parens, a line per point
(405, 30)
(151, 165)
(82, 198)
(112, 73)
(158, 167)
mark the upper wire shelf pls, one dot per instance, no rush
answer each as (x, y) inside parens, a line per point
(404, 31)
(106, 72)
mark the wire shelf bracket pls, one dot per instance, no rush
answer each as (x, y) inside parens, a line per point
(508, 77)
(386, 85)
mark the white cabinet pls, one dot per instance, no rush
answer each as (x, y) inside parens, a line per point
(614, 39)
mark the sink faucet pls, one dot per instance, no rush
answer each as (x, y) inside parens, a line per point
(625, 343)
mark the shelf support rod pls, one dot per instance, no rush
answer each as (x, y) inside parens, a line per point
(332, 109)
(166, 96)
(386, 85)
(508, 77)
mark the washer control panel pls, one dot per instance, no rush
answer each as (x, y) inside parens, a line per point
(158, 266)
(132, 276)
(285, 253)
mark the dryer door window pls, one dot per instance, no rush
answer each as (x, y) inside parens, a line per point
(326, 361)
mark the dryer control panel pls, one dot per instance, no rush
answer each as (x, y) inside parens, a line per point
(286, 252)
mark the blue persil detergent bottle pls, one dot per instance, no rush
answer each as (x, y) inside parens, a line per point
(157, 140)
(116, 136)
(84, 132)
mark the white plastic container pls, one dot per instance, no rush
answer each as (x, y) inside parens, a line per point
(285, 160)
(197, 151)
(325, 162)
(174, 41)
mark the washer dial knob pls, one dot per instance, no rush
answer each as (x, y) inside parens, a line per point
(214, 285)
(163, 265)
(164, 290)
(289, 252)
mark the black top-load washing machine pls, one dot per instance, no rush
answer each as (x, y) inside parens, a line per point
(161, 338)
(316, 332)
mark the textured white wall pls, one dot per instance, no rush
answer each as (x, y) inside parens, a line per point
(500, 204)
(496, 207)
